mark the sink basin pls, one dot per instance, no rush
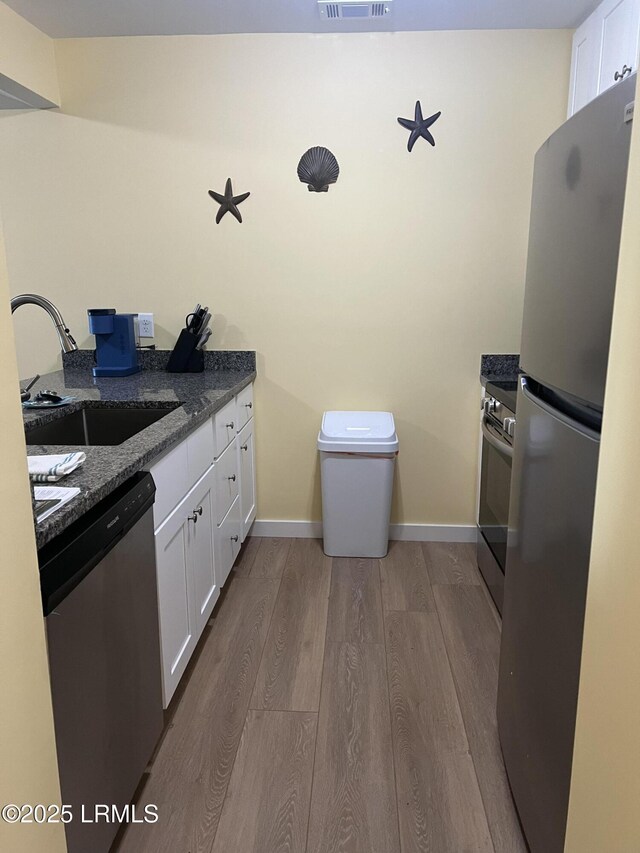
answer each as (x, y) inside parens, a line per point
(96, 426)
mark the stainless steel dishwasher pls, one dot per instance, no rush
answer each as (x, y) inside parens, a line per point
(98, 581)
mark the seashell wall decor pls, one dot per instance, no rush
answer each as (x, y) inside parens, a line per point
(318, 168)
(419, 126)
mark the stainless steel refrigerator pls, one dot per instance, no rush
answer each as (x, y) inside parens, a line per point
(576, 216)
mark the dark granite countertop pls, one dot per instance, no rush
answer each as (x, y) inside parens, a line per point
(499, 368)
(198, 396)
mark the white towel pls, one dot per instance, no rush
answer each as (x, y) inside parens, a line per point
(50, 469)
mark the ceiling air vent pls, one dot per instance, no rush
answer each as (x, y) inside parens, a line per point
(349, 10)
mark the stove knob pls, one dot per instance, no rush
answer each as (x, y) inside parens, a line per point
(509, 426)
(490, 405)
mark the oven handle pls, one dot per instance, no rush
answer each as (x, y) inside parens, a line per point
(500, 446)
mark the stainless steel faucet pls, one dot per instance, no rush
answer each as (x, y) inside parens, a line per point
(65, 337)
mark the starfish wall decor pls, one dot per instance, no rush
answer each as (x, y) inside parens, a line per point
(419, 127)
(228, 202)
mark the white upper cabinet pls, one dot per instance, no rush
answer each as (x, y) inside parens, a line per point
(605, 50)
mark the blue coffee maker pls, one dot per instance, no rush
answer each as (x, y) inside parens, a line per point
(116, 353)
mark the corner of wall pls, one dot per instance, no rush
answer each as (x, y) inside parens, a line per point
(28, 71)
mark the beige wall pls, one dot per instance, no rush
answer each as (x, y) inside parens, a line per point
(604, 815)
(380, 294)
(28, 772)
(27, 55)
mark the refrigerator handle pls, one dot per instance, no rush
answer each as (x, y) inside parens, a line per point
(500, 446)
(556, 413)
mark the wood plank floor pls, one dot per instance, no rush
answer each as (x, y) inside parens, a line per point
(337, 706)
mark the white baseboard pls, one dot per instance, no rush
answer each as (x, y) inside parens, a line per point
(287, 529)
(406, 532)
(434, 532)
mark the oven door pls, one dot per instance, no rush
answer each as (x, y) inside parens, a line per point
(493, 508)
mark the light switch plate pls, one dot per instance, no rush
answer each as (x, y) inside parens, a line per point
(145, 325)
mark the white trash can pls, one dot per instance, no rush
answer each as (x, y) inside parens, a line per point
(357, 459)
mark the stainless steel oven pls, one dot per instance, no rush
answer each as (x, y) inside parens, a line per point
(498, 429)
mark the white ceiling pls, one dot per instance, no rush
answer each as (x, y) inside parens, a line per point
(78, 18)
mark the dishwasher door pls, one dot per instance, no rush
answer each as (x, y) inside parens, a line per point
(104, 661)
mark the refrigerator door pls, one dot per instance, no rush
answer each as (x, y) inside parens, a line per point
(551, 513)
(576, 216)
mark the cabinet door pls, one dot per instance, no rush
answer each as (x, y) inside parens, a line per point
(177, 630)
(247, 469)
(200, 504)
(584, 65)
(618, 26)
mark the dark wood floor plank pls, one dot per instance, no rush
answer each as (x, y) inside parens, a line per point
(451, 562)
(353, 808)
(439, 802)
(191, 771)
(355, 605)
(266, 809)
(405, 580)
(291, 669)
(245, 559)
(271, 558)
(473, 643)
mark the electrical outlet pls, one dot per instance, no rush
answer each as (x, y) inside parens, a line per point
(145, 325)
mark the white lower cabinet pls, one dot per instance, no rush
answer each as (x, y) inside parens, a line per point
(187, 588)
(177, 631)
(206, 589)
(247, 469)
(205, 504)
(227, 541)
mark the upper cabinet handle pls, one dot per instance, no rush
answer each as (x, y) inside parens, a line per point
(620, 75)
(249, 405)
(244, 447)
(231, 425)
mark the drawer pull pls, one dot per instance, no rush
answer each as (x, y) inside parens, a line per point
(248, 405)
(234, 538)
(244, 447)
(231, 425)
(232, 478)
(195, 515)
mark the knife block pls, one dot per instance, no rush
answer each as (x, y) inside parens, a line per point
(185, 358)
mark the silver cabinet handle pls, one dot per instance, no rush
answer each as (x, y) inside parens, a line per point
(195, 515)
(234, 538)
(231, 425)
(244, 447)
(248, 405)
(232, 478)
(620, 75)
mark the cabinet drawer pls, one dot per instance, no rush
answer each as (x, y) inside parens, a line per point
(227, 538)
(179, 469)
(172, 479)
(246, 467)
(245, 406)
(224, 426)
(200, 451)
(227, 481)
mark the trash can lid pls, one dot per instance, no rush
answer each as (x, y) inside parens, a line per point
(358, 432)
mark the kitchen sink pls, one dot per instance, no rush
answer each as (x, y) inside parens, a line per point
(96, 426)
